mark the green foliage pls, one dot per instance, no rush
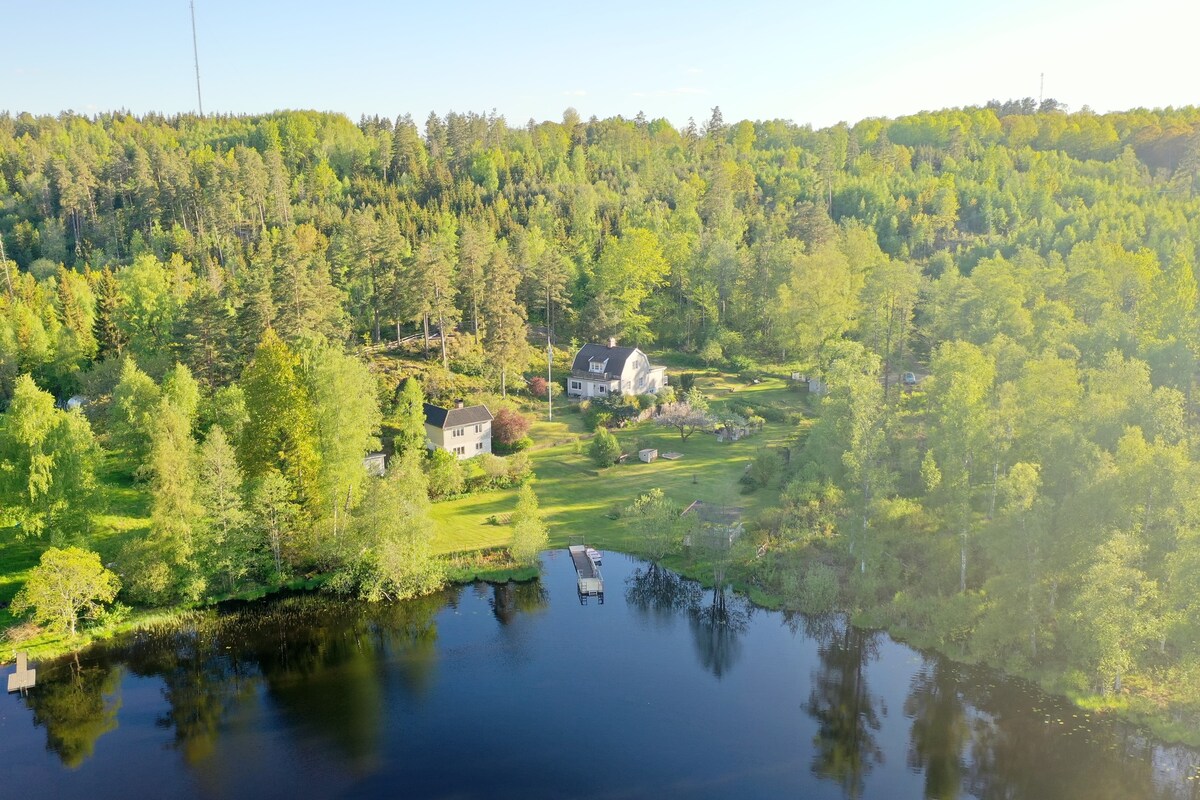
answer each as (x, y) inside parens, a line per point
(444, 474)
(604, 449)
(763, 469)
(66, 585)
(1035, 269)
(48, 461)
(656, 523)
(409, 417)
(226, 547)
(386, 553)
(530, 534)
(279, 433)
(346, 417)
(135, 400)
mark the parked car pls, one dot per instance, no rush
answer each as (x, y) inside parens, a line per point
(908, 379)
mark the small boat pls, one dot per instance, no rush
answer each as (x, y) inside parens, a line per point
(594, 555)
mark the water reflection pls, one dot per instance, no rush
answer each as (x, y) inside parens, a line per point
(659, 595)
(511, 598)
(717, 627)
(847, 713)
(76, 710)
(319, 697)
(940, 730)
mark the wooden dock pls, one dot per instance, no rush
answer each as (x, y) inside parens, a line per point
(591, 582)
(23, 678)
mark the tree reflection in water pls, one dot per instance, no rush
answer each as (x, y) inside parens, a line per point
(77, 710)
(202, 680)
(659, 594)
(846, 713)
(718, 627)
(940, 729)
(512, 598)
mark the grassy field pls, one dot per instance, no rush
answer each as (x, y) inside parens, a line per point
(126, 515)
(579, 500)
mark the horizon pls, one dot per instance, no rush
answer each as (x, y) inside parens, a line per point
(771, 61)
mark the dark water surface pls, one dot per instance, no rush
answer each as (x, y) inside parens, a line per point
(520, 691)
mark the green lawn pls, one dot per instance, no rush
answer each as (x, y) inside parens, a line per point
(126, 514)
(577, 499)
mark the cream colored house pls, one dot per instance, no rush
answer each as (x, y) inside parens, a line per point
(464, 431)
(602, 371)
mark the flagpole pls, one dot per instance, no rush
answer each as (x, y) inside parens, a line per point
(549, 377)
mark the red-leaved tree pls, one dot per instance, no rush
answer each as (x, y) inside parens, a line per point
(508, 426)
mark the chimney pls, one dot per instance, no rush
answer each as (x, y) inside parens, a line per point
(612, 341)
(458, 403)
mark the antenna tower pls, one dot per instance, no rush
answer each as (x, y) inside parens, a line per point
(196, 56)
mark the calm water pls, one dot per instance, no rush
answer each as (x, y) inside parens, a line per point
(520, 691)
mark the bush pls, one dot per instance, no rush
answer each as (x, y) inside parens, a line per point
(604, 450)
(537, 386)
(519, 468)
(508, 449)
(646, 401)
(444, 473)
(763, 469)
(508, 426)
(818, 590)
(687, 380)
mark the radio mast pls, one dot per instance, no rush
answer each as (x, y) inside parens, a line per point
(196, 56)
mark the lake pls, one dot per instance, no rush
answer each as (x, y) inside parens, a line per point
(519, 690)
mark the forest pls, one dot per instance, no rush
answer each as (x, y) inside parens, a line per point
(209, 285)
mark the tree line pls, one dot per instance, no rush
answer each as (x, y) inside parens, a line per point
(1030, 501)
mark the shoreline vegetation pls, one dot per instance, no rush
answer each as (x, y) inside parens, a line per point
(939, 371)
(1168, 728)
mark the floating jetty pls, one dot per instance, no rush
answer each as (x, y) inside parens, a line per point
(23, 678)
(591, 582)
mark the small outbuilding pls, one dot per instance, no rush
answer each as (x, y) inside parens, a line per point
(648, 455)
(375, 464)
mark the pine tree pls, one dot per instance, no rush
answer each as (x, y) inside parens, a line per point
(506, 336)
(107, 333)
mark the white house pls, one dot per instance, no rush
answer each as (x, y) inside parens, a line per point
(603, 370)
(466, 432)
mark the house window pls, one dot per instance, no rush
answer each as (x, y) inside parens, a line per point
(479, 429)
(479, 445)
(597, 366)
(460, 451)
(457, 432)
(576, 385)
(601, 388)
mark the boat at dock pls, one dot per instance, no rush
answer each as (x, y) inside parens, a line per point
(587, 570)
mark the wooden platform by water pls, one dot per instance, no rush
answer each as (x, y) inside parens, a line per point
(23, 678)
(591, 582)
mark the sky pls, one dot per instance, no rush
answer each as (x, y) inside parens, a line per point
(809, 62)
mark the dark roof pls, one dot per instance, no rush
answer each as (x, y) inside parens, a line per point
(615, 356)
(444, 418)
